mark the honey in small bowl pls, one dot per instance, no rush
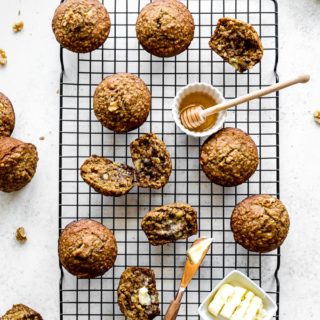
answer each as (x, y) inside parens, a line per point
(200, 99)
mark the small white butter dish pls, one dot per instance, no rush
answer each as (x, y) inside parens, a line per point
(207, 89)
(236, 278)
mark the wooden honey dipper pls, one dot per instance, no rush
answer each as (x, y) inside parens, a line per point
(195, 116)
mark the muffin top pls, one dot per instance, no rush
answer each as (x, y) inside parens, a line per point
(87, 249)
(7, 117)
(122, 102)
(18, 164)
(229, 157)
(165, 28)
(260, 223)
(21, 312)
(81, 25)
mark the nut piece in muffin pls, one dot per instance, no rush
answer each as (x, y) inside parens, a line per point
(151, 160)
(7, 117)
(18, 164)
(260, 223)
(81, 25)
(238, 43)
(21, 312)
(165, 28)
(137, 294)
(229, 157)
(122, 102)
(87, 249)
(170, 223)
(107, 177)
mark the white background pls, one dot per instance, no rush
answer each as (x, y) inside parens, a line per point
(30, 273)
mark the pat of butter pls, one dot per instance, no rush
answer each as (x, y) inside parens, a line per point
(233, 302)
(255, 307)
(144, 298)
(220, 299)
(243, 307)
(195, 253)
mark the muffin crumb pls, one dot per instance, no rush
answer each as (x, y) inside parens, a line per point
(3, 58)
(42, 138)
(18, 26)
(316, 115)
(21, 235)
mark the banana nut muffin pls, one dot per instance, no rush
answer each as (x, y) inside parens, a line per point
(122, 102)
(81, 25)
(18, 164)
(87, 249)
(7, 117)
(170, 223)
(260, 223)
(107, 177)
(238, 43)
(151, 160)
(165, 28)
(21, 312)
(229, 157)
(137, 294)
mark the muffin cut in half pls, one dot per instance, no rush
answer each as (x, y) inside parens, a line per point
(170, 223)
(151, 160)
(87, 249)
(238, 43)
(21, 312)
(165, 28)
(260, 223)
(81, 25)
(107, 177)
(7, 116)
(137, 294)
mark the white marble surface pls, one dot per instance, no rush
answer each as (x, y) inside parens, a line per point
(30, 274)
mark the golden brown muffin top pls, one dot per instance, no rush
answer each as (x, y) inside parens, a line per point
(7, 116)
(21, 312)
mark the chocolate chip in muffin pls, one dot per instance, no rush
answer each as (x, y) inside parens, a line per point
(260, 223)
(229, 157)
(133, 280)
(81, 25)
(165, 28)
(21, 312)
(87, 249)
(7, 116)
(170, 223)
(238, 43)
(122, 102)
(18, 164)
(151, 160)
(107, 177)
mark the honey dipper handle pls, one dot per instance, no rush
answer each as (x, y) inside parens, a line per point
(174, 306)
(303, 78)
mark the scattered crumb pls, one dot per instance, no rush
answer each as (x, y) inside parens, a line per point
(3, 57)
(42, 138)
(18, 26)
(317, 116)
(19, 12)
(21, 234)
(58, 91)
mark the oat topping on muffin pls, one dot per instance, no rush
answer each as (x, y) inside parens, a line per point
(165, 28)
(238, 43)
(7, 116)
(21, 312)
(122, 102)
(81, 25)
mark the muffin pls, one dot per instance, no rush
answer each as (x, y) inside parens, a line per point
(229, 157)
(238, 43)
(87, 249)
(81, 25)
(260, 223)
(151, 160)
(7, 117)
(137, 294)
(18, 164)
(170, 223)
(165, 28)
(122, 102)
(21, 312)
(107, 177)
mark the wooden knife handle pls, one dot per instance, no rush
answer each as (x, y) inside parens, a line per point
(173, 310)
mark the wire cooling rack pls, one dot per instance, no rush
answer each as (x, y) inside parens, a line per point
(81, 135)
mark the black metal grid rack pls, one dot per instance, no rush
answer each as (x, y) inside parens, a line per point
(82, 135)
